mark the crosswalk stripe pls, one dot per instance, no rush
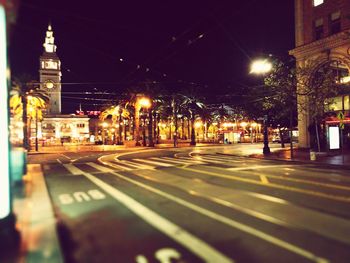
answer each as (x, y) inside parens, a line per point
(137, 165)
(229, 158)
(72, 169)
(153, 162)
(221, 159)
(182, 160)
(206, 160)
(191, 159)
(173, 160)
(117, 166)
(100, 167)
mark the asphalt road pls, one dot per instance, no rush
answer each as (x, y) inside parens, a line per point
(197, 205)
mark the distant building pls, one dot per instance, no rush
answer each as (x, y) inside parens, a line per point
(56, 127)
(322, 36)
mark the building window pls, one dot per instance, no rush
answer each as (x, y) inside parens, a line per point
(347, 102)
(318, 2)
(335, 25)
(80, 125)
(318, 28)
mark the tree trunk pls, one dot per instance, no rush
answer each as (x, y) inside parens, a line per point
(36, 131)
(158, 129)
(124, 129)
(291, 133)
(175, 132)
(155, 125)
(120, 130)
(193, 133)
(25, 123)
(136, 127)
(150, 129)
(317, 137)
(183, 127)
(188, 128)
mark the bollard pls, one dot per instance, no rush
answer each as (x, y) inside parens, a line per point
(312, 156)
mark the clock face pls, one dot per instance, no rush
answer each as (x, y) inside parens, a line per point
(49, 84)
(49, 64)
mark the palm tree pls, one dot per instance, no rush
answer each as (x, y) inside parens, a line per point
(117, 113)
(193, 104)
(207, 117)
(24, 89)
(36, 105)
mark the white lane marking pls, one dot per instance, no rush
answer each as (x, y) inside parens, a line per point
(192, 160)
(73, 169)
(202, 158)
(264, 179)
(255, 167)
(59, 161)
(165, 255)
(66, 156)
(136, 165)
(116, 166)
(101, 168)
(222, 159)
(166, 160)
(244, 228)
(153, 162)
(175, 160)
(184, 160)
(173, 231)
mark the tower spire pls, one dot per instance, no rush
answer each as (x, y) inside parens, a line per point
(49, 45)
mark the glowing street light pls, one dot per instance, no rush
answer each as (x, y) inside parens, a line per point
(260, 66)
(243, 124)
(145, 102)
(198, 124)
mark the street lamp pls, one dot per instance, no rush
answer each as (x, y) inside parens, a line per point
(261, 67)
(140, 102)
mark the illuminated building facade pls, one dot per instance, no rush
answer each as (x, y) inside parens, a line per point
(322, 36)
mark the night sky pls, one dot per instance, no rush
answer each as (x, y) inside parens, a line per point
(203, 44)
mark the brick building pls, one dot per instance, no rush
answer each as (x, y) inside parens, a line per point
(322, 36)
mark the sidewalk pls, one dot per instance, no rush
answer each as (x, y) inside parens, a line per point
(336, 159)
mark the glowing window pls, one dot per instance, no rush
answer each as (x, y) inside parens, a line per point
(318, 2)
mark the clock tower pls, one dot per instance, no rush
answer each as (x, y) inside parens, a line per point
(50, 73)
